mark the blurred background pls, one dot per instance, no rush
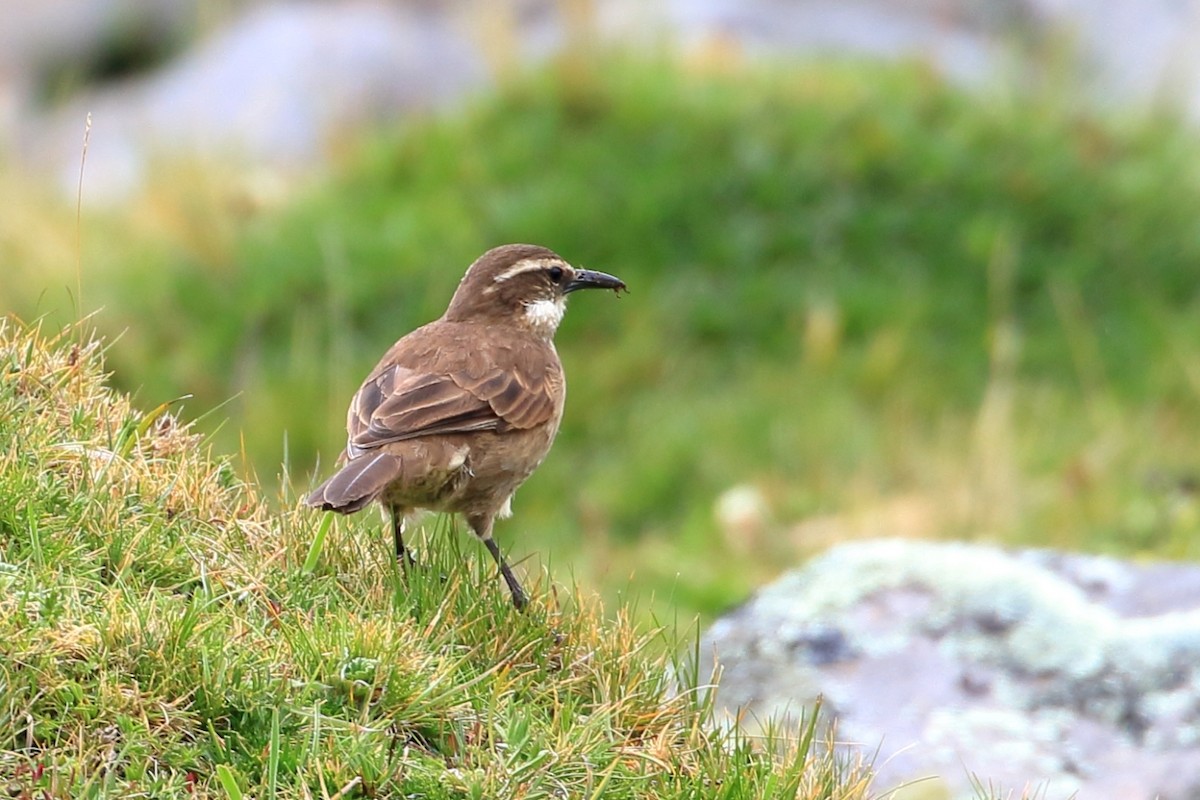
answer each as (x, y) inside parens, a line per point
(915, 268)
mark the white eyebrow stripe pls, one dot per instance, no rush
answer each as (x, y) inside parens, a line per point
(527, 265)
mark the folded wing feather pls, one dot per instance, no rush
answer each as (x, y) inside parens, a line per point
(400, 403)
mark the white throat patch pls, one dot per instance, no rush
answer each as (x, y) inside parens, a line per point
(544, 315)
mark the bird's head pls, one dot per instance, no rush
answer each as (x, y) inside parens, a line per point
(523, 285)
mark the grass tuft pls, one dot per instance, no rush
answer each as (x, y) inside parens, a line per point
(164, 634)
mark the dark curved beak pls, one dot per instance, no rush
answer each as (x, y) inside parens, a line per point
(590, 279)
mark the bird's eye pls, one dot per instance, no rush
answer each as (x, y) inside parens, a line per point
(556, 274)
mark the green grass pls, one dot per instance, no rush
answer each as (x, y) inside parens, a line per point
(855, 289)
(163, 634)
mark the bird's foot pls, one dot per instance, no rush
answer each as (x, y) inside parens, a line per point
(406, 559)
(409, 564)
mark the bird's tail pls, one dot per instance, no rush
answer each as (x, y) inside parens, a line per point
(356, 484)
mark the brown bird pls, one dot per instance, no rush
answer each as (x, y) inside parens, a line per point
(461, 411)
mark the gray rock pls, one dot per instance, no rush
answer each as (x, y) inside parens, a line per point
(1075, 673)
(1140, 51)
(33, 35)
(275, 89)
(37, 38)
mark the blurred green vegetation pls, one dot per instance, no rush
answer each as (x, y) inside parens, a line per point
(866, 294)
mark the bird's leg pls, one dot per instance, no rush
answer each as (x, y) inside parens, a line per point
(482, 525)
(514, 586)
(402, 555)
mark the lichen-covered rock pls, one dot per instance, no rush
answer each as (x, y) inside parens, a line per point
(1035, 668)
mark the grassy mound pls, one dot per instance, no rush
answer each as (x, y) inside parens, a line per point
(162, 634)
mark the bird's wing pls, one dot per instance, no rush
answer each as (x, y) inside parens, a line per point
(398, 403)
